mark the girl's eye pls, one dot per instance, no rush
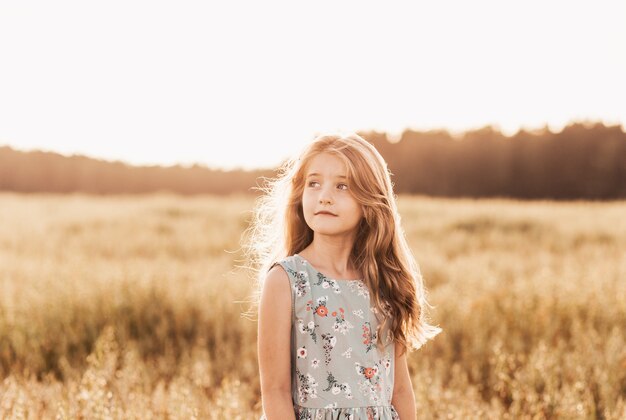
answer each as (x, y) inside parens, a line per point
(340, 186)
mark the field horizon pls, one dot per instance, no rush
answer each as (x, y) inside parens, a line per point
(135, 307)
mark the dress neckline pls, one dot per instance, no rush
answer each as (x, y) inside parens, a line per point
(318, 271)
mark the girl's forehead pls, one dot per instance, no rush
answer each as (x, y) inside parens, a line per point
(326, 164)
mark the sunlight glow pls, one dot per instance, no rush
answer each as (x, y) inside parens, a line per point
(236, 84)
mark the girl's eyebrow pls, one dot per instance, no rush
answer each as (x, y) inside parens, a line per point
(316, 174)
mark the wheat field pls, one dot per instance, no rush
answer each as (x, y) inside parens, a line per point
(133, 307)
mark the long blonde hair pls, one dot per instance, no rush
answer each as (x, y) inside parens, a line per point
(380, 251)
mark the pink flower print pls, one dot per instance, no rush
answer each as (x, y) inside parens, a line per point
(369, 338)
(369, 373)
(320, 309)
(341, 325)
(302, 352)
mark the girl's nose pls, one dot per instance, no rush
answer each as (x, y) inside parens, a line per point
(325, 196)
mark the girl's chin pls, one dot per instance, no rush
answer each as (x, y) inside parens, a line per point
(324, 230)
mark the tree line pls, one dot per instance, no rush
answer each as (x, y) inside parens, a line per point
(582, 161)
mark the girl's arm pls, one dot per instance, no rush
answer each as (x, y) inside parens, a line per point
(403, 398)
(274, 346)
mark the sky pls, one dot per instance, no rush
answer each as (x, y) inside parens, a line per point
(246, 84)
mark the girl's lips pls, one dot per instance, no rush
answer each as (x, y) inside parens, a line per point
(323, 213)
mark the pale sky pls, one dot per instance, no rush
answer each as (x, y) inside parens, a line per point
(245, 84)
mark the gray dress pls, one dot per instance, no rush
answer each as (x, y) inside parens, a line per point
(337, 371)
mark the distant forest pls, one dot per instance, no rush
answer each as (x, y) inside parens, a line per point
(583, 161)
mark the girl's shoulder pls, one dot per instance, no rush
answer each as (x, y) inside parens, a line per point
(290, 264)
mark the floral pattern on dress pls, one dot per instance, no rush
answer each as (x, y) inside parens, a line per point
(371, 382)
(308, 328)
(326, 282)
(356, 379)
(369, 337)
(370, 386)
(307, 386)
(329, 344)
(302, 352)
(386, 363)
(302, 414)
(369, 373)
(301, 283)
(373, 413)
(358, 287)
(341, 325)
(335, 387)
(358, 312)
(320, 307)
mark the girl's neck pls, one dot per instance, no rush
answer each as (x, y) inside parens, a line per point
(331, 257)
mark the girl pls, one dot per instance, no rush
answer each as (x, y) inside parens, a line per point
(337, 286)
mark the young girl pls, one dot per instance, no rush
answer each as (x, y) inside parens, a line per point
(341, 296)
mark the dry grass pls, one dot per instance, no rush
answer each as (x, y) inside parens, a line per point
(129, 307)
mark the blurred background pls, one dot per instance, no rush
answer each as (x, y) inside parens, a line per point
(482, 99)
(133, 136)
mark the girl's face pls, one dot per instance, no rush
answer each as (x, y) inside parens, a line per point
(327, 202)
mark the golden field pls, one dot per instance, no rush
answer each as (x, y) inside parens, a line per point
(132, 307)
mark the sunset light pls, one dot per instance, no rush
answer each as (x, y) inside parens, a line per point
(235, 84)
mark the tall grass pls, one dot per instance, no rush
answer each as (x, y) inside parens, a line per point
(131, 307)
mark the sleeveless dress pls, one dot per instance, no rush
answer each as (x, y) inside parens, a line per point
(337, 371)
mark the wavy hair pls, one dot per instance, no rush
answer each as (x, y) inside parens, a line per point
(380, 251)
